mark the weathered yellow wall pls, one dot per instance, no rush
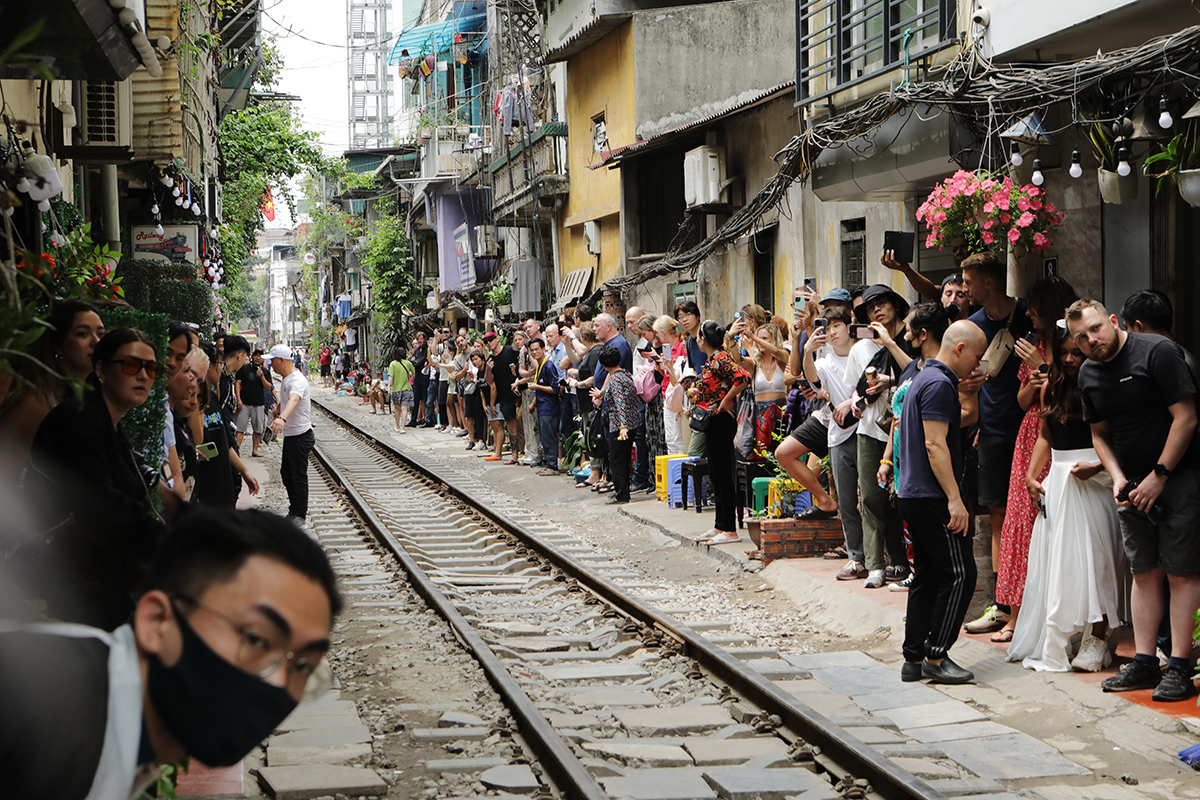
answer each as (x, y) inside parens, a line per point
(600, 80)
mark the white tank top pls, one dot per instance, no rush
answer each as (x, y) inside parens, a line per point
(763, 385)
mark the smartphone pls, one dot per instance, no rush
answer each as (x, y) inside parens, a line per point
(863, 332)
(820, 325)
(901, 243)
(738, 316)
(1033, 338)
(804, 384)
(798, 302)
(209, 449)
(1123, 495)
(810, 283)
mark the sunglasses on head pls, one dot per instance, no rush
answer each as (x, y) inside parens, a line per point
(132, 365)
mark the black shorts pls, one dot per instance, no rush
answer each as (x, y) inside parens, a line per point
(1167, 537)
(508, 408)
(995, 468)
(325, 370)
(813, 434)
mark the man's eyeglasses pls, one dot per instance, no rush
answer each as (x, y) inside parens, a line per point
(132, 365)
(262, 648)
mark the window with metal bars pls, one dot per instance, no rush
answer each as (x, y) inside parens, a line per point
(842, 42)
(854, 252)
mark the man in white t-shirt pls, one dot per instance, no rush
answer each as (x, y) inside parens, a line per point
(293, 421)
(828, 372)
(883, 308)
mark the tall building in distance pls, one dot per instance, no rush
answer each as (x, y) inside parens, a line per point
(370, 85)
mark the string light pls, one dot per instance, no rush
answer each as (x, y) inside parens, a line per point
(158, 229)
(1076, 167)
(1038, 177)
(1123, 168)
(1165, 120)
(1017, 158)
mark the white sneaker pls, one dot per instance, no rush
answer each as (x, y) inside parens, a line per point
(1093, 655)
(902, 586)
(874, 580)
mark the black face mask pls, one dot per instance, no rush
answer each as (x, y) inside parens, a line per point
(218, 712)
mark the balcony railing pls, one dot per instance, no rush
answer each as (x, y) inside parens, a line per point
(533, 167)
(453, 151)
(843, 42)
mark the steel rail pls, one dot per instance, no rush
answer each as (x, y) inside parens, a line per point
(553, 752)
(850, 754)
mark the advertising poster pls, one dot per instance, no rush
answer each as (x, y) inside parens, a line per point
(466, 259)
(178, 243)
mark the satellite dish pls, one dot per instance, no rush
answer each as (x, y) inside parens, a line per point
(310, 259)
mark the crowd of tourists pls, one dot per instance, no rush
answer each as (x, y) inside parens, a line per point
(1068, 429)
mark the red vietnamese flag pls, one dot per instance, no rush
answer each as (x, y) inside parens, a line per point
(268, 206)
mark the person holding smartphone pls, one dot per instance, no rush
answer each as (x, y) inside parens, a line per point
(219, 463)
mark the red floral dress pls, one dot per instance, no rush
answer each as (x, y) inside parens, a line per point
(1020, 514)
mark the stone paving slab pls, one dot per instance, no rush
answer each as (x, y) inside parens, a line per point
(450, 734)
(944, 713)
(323, 737)
(462, 766)
(874, 735)
(512, 778)
(898, 698)
(961, 787)
(845, 658)
(1011, 757)
(927, 768)
(459, 719)
(293, 755)
(639, 755)
(858, 680)
(951, 733)
(676, 720)
(721, 752)
(561, 720)
(660, 784)
(603, 696)
(593, 672)
(305, 782)
(735, 783)
(776, 669)
(802, 686)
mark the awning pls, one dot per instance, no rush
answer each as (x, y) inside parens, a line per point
(434, 38)
(574, 286)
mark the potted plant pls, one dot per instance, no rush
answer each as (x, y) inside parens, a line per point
(1179, 159)
(1114, 187)
(996, 210)
(500, 298)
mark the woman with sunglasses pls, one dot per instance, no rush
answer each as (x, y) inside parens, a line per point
(92, 489)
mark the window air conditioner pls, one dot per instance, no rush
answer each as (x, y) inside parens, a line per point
(703, 175)
(106, 114)
(591, 235)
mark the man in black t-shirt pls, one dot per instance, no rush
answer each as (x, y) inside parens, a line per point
(1140, 399)
(502, 373)
(252, 383)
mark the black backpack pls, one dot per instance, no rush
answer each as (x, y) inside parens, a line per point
(596, 436)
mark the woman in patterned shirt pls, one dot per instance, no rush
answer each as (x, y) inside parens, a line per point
(717, 390)
(620, 403)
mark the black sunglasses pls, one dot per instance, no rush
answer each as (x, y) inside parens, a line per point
(132, 365)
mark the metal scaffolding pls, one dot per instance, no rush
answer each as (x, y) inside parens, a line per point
(370, 85)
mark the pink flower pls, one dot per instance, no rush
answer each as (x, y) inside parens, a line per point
(1023, 203)
(1050, 208)
(938, 216)
(1025, 220)
(989, 207)
(931, 241)
(1002, 201)
(987, 237)
(1035, 205)
(1032, 190)
(1013, 235)
(1040, 242)
(1005, 218)
(987, 225)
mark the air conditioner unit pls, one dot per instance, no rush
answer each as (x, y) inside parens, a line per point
(703, 175)
(106, 113)
(485, 242)
(591, 235)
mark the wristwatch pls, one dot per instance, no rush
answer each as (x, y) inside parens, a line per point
(1161, 470)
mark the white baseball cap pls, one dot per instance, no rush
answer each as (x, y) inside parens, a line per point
(280, 351)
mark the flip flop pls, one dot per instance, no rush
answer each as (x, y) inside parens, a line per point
(491, 458)
(547, 472)
(704, 537)
(724, 537)
(604, 490)
(1003, 635)
(837, 554)
(816, 512)
(510, 462)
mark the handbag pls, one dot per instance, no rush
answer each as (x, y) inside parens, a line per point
(700, 418)
(646, 385)
(1000, 348)
(597, 441)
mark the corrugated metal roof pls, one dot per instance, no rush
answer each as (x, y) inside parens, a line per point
(619, 153)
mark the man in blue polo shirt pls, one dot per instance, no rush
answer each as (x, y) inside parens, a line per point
(931, 504)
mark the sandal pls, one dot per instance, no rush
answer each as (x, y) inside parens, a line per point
(491, 458)
(724, 537)
(1003, 635)
(604, 488)
(547, 472)
(815, 512)
(510, 462)
(837, 554)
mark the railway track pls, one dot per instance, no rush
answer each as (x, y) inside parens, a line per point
(614, 696)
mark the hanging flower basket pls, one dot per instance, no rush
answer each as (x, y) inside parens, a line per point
(998, 212)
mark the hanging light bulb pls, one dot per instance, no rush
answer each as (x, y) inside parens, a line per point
(1123, 168)
(175, 192)
(1038, 177)
(179, 201)
(1017, 159)
(196, 209)
(158, 230)
(43, 205)
(1165, 120)
(23, 185)
(1076, 167)
(154, 209)
(165, 180)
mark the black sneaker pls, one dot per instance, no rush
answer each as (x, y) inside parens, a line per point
(1176, 684)
(1133, 676)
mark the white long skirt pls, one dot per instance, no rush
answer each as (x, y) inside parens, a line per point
(1076, 560)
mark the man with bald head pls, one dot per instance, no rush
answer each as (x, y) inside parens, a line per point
(632, 315)
(932, 505)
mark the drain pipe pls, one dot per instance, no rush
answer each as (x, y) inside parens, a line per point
(111, 206)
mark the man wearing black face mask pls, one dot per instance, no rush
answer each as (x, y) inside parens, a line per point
(221, 648)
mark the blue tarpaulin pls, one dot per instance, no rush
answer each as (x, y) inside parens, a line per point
(435, 37)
